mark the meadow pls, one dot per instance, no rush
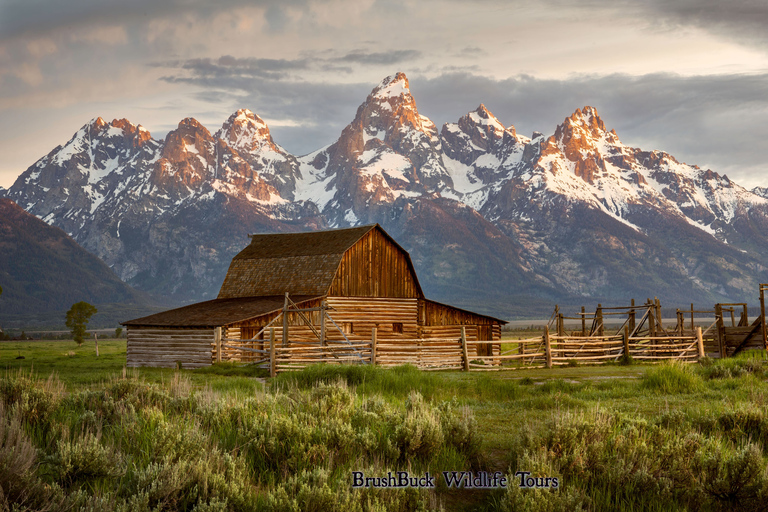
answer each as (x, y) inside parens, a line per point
(80, 432)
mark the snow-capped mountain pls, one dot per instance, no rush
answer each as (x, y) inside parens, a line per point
(486, 213)
(388, 151)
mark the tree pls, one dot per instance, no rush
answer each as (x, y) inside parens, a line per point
(118, 332)
(77, 319)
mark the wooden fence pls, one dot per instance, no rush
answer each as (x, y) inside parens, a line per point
(543, 351)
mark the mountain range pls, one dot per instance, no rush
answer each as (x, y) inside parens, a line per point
(494, 220)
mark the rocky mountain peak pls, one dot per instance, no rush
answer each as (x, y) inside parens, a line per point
(245, 132)
(586, 120)
(190, 138)
(392, 87)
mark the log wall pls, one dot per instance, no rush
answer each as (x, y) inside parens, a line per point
(162, 347)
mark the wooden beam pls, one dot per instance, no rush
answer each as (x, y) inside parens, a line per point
(373, 346)
(700, 343)
(285, 321)
(217, 341)
(464, 348)
(625, 340)
(720, 330)
(762, 314)
(547, 347)
(272, 360)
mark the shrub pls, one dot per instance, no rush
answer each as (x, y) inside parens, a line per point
(84, 457)
(420, 432)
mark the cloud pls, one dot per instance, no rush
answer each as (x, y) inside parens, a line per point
(741, 20)
(379, 58)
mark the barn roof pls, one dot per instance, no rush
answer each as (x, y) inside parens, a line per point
(300, 263)
(217, 312)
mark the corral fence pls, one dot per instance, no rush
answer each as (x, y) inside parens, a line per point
(543, 351)
(642, 336)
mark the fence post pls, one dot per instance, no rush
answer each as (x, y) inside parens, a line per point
(323, 306)
(583, 322)
(272, 361)
(626, 341)
(217, 337)
(720, 330)
(285, 321)
(547, 347)
(700, 342)
(600, 326)
(373, 346)
(693, 326)
(464, 348)
(762, 316)
(96, 341)
(659, 323)
(632, 317)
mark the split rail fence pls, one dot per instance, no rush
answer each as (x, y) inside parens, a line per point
(543, 351)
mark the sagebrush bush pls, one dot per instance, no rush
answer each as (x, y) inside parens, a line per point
(420, 432)
(84, 457)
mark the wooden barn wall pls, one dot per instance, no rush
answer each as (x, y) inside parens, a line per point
(164, 347)
(433, 314)
(357, 316)
(374, 267)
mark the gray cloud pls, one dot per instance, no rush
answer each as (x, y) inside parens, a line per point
(40, 16)
(228, 67)
(379, 58)
(741, 20)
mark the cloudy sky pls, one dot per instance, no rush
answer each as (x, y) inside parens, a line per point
(686, 76)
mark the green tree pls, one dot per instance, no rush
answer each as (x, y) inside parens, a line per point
(118, 332)
(77, 319)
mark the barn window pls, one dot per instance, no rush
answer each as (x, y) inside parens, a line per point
(347, 327)
(397, 327)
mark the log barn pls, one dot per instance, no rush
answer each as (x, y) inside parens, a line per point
(312, 287)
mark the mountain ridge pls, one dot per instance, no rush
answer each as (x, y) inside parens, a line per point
(182, 206)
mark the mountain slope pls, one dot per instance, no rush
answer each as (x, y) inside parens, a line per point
(43, 270)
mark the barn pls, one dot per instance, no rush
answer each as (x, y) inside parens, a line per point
(305, 288)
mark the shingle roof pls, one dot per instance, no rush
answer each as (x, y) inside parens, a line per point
(300, 263)
(217, 312)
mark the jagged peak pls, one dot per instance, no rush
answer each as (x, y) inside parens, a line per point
(586, 118)
(392, 86)
(97, 122)
(192, 122)
(245, 115)
(482, 116)
(244, 130)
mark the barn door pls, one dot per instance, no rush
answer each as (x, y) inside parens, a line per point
(485, 333)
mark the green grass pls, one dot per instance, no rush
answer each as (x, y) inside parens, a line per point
(602, 429)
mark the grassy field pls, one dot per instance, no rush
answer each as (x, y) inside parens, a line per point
(80, 432)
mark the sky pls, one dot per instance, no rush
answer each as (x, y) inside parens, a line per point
(689, 77)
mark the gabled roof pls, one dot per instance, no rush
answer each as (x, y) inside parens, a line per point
(217, 312)
(299, 263)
